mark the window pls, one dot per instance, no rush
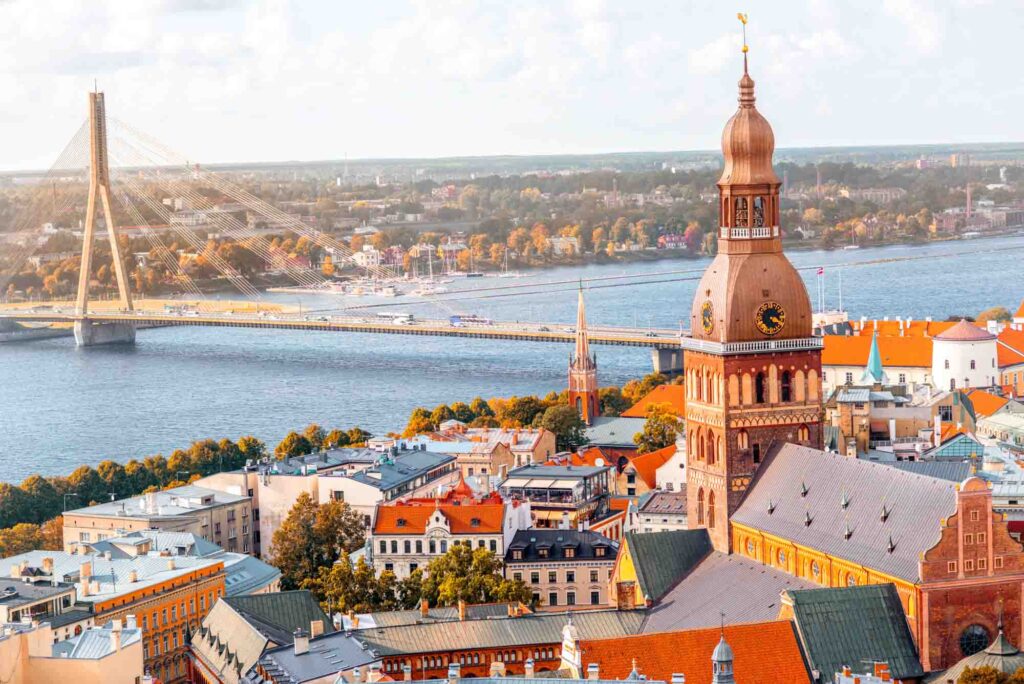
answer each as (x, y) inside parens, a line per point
(517, 554)
(553, 598)
(494, 545)
(946, 413)
(480, 543)
(803, 434)
(593, 576)
(998, 563)
(552, 576)
(759, 389)
(711, 510)
(595, 598)
(973, 639)
(945, 364)
(757, 453)
(968, 538)
(570, 576)
(968, 565)
(975, 516)
(903, 378)
(981, 537)
(383, 546)
(413, 567)
(570, 553)
(951, 566)
(786, 392)
(700, 506)
(407, 546)
(849, 378)
(432, 545)
(983, 563)
(973, 365)
(83, 536)
(743, 440)
(952, 384)
(758, 212)
(390, 567)
(419, 546)
(444, 546)
(570, 598)
(542, 553)
(599, 552)
(517, 576)
(534, 578)
(394, 546)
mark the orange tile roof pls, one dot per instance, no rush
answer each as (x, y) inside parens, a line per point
(588, 457)
(673, 395)
(619, 503)
(892, 328)
(460, 518)
(897, 352)
(985, 403)
(647, 464)
(765, 652)
(1010, 347)
(1020, 311)
(950, 430)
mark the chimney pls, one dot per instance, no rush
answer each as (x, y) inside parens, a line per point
(95, 586)
(316, 628)
(130, 622)
(15, 571)
(424, 608)
(133, 576)
(407, 673)
(462, 610)
(938, 430)
(454, 671)
(528, 669)
(497, 669)
(355, 621)
(170, 564)
(115, 639)
(85, 571)
(374, 674)
(593, 672)
(48, 565)
(301, 642)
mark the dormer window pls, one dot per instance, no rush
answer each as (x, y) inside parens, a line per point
(400, 522)
(542, 553)
(599, 551)
(474, 522)
(570, 553)
(517, 554)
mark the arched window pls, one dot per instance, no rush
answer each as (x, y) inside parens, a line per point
(711, 510)
(711, 447)
(952, 384)
(700, 386)
(759, 388)
(700, 445)
(759, 207)
(803, 434)
(579, 405)
(973, 639)
(741, 211)
(786, 391)
(743, 439)
(700, 506)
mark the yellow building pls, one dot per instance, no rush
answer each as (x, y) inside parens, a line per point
(99, 655)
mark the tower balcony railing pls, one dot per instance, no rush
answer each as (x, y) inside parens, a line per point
(747, 233)
(726, 348)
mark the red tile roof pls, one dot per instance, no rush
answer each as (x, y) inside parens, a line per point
(1020, 311)
(897, 352)
(647, 465)
(892, 328)
(965, 332)
(399, 519)
(1010, 347)
(673, 395)
(985, 403)
(765, 652)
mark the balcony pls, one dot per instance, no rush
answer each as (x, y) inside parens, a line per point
(729, 348)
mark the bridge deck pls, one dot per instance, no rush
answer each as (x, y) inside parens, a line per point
(524, 332)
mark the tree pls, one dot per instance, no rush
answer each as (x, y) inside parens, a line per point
(335, 439)
(19, 538)
(462, 411)
(635, 390)
(293, 444)
(660, 429)
(519, 411)
(327, 268)
(86, 483)
(565, 422)
(472, 575)
(313, 536)
(46, 501)
(315, 435)
(479, 407)
(986, 674)
(357, 436)
(996, 313)
(612, 402)
(252, 448)
(419, 422)
(15, 505)
(441, 414)
(51, 534)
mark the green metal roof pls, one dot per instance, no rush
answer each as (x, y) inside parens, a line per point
(279, 614)
(661, 559)
(849, 626)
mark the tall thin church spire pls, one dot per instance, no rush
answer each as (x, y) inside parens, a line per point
(582, 355)
(583, 370)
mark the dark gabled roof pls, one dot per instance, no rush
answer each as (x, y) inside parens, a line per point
(583, 544)
(661, 559)
(278, 614)
(849, 626)
(893, 515)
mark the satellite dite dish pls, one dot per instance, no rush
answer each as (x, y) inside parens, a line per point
(599, 462)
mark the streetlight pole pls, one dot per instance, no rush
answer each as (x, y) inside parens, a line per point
(66, 500)
(179, 472)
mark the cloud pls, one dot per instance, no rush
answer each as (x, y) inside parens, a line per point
(923, 23)
(712, 57)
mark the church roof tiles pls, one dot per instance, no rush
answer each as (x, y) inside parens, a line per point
(882, 503)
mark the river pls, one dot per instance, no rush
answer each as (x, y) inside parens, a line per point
(61, 407)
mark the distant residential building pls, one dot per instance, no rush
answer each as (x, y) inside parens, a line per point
(528, 445)
(560, 496)
(395, 475)
(662, 511)
(32, 654)
(561, 246)
(222, 518)
(964, 356)
(874, 195)
(672, 241)
(168, 595)
(474, 457)
(50, 601)
(322, 659)
(369, 257)
(408, 536)
(565, 569)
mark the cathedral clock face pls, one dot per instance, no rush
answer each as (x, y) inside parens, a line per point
(770, 318)
(707, 317)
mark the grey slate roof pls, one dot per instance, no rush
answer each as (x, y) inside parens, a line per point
(744, 590)
(556, 472)
(394, 618)
(278, 614)
(954, 471)
(915, 505)
(556, 541)
(94, 643)
(848, 626)
(664, 502)
(614, 432)
(327, 655)
(405, 467)
(247, 574)
(179, 501)
(15, 593)
(526, 630)
(661, 559)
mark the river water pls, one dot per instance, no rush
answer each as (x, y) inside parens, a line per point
(61, 407)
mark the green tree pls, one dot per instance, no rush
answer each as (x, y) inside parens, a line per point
(635, 390)
(20, 538)
(472, 575)
(519, 411)
(86, 483)
(986, 674)
(565, 422)
(15, 505)
(315, 435)
(410, 590)
(114, 478)
(335, 439)
(252, 449)
(313, 536)
(480, 408)
(462, 411)
(358, 436)
(45, 500)
(420, 421)
(660, 429)
(612, 402)
(440, 414)
(996, 313)
(293, 444)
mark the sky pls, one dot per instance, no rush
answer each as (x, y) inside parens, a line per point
(273, 80)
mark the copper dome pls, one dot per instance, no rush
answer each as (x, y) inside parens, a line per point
(747, 142)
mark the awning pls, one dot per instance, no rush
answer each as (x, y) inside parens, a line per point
(515, 482)
(541, 483)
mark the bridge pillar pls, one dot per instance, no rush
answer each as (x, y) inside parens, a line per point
(91, 334)
(667, 361)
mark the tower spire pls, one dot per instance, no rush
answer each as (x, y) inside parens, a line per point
(582, 340)
(583, 369)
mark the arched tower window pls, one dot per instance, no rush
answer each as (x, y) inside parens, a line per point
(701, 454)
(711, 510)
(786, 393)
(741, 211)
(711, 448)
(803, 434)
(759, 209)
(579, 405)
(700, 506)
(760, 388)
(743, 439)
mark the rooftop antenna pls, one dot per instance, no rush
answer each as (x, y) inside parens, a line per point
(721, 614)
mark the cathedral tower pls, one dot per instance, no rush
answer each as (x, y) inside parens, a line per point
(752, 366)
(583, 371)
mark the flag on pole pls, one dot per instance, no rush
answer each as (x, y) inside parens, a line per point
(821, 270)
